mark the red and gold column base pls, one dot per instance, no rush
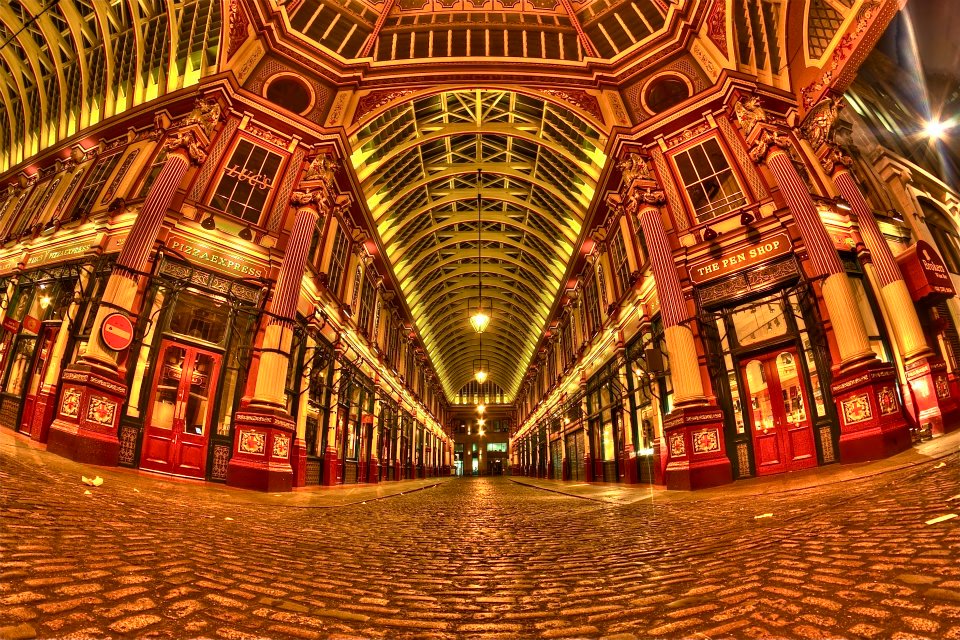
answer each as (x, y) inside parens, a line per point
(263, 439)
(298, 462)
(373, 470)
(696, 453)
(87, 419)
(331, 468)
(936, 406)
(44, 407)
(872, 424)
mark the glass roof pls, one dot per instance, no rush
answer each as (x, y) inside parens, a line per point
(539, 164)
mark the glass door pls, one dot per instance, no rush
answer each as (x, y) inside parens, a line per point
(779, 413)
(180, 410)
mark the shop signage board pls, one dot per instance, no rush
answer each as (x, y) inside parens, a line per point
(222, 259)
(731, 261)
(925, 273)
(117, 331)
(58, 253)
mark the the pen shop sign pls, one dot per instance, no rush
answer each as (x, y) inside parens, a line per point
(741, 258)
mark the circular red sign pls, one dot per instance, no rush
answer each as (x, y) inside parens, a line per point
(117, 331)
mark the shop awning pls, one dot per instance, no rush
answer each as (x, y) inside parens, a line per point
(925, 273)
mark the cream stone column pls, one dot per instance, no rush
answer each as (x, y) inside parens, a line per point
(681, 348)
(925, 371)
(694, 431)
(93, 389)
(264, 430)
(772, 148)
(905, 322)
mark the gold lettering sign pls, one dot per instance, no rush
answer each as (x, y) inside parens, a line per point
(57, 254)
(766, 249)
(217, 258)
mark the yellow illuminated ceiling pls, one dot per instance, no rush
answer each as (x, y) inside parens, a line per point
(69, 64)
(418, 165)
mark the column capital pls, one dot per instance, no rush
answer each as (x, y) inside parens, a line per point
(206, 115)
(767, 142)
(639, 188)
(188, 143)
(836, 159)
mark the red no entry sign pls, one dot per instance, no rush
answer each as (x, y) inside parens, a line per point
(117, 331)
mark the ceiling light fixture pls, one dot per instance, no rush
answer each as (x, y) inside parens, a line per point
(481, 312)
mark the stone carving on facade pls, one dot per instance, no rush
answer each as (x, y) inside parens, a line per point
(835, 158)
(322, 168)
(187, 141)
(749, 113)
(205, 114)
(817, 127)
(767, 139)
(300, 199)
(635, 167)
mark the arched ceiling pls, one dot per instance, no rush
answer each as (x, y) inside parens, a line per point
(539, 164)
(69, 64)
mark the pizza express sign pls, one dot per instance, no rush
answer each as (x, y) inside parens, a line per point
(211, 256)
(766, 249)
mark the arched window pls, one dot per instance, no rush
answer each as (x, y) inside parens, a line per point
(944, 234)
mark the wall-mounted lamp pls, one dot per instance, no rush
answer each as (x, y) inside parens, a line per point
(895, 215)
(209, 223)
(709, 234)
(842, 204)
(746, 218)
(246, 233)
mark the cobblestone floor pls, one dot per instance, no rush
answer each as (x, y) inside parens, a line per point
(484, 558)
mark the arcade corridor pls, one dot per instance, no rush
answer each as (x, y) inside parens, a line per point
(854, 559)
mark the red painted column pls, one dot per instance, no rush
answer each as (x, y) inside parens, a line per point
(872, 424)
(93, 389)
(693, 431)
(926, 372)
(263, 428)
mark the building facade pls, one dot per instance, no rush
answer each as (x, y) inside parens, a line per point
(251, 257)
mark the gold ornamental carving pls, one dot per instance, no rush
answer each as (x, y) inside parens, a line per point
(206, 114)
(766, 140)
(817, 127)
(187, 142)
(749, 114)
(836, 158)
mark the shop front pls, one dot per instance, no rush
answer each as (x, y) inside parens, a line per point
(604, 415)
(769, 362)
(48, 310)
(321, 369)
(387, 423)
(186, 371)
(356, 406)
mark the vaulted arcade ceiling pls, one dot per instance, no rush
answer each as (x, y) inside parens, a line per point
(539, 164)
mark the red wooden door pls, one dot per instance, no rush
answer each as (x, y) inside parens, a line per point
(779, 413)
(180, 410)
